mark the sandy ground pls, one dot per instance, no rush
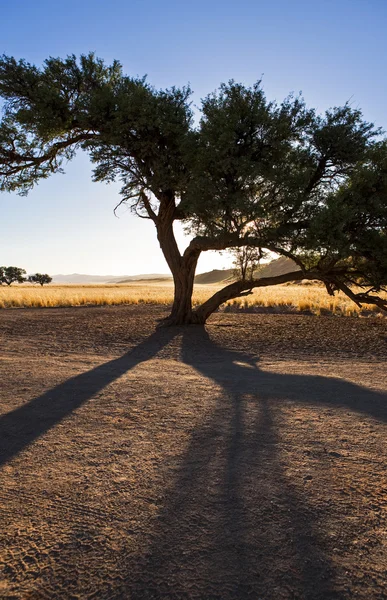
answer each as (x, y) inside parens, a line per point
(246, 460)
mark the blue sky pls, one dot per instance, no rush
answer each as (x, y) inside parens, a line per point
(331, 50)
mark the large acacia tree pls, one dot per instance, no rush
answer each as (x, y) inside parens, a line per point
(276, 177)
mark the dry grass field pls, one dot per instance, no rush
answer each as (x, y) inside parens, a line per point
(284, 298)
(244, 460)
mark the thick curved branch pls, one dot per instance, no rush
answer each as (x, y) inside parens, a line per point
(233, 240)
(242, 288)
(203, 243)
(239, 288)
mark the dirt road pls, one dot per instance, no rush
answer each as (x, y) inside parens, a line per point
(247, 460)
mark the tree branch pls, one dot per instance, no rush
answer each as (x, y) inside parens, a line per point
(16, 162)
(361, 298)
(148, 207)
(239, 288)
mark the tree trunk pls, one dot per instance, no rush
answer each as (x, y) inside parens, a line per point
(183, 270)
(183, 279)
(182, 313)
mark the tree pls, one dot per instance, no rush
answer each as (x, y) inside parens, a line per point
(252, 174)
(246, 262)
(41, 278)
(9, 275)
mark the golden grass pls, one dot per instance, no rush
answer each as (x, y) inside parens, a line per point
(287, 298)
(84, 295)
(303, 298)
(29, 296)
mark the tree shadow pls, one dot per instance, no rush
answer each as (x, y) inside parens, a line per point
(22, 426)
(238, 372)
(233, 526)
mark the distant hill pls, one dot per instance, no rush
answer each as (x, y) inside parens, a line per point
(147, 277)
(280, 266)
(276, 267)
(82, 278)
(214, 276)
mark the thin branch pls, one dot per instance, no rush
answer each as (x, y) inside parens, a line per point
(148, 206)
(362, 298)
(123, 201)
(27, 161)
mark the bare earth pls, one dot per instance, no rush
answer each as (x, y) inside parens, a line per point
(247, 460)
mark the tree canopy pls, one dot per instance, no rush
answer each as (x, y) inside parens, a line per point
(41, 278)
(11, 275)
(252, 173)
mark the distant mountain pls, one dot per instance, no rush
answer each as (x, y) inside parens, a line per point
(82, 278)
(147, 277)
(215, 276)
(275, 267)
(280, 266)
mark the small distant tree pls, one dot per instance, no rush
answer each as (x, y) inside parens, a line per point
(9, 275)
(40, 278)
(246, 261)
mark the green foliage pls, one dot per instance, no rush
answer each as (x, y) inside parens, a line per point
(10, 275)
(269, 166)
(350, 228)
(132, 131)
(41, 278)
(243, 144)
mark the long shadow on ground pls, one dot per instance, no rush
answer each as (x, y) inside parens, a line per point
(232, 525)
(22, 426)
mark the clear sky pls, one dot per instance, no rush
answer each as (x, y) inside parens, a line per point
(331, 50)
